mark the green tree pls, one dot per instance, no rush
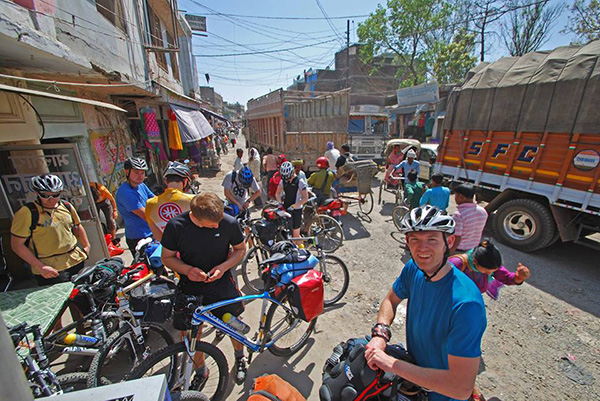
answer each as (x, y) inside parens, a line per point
(405, 28)
(584, 20)
(453, 60)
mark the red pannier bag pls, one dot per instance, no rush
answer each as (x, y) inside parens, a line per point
(306, 294)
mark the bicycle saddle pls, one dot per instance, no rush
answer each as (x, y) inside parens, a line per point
(276, 258)
(327, 202)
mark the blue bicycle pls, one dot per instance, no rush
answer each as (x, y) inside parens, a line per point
(281, 331)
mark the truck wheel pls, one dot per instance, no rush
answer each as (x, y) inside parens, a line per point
(524, 224)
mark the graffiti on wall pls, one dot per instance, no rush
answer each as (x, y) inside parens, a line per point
(110, 150)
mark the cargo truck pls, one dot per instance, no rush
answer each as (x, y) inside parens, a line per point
(526, 132)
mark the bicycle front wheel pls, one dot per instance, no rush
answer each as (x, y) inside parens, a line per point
(397, 215)
(336, 278)
(328, 231)
(251, 270)
(287, 329)
(365, 202)
(213, 381)
(121, 353)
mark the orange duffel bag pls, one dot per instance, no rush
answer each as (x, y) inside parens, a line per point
(274, 388)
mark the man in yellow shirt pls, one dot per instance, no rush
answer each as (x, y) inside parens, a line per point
(172, 202)
(322, 181)
(44, 234)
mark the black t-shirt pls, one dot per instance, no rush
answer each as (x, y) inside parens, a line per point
(203, 248)
(290, 189)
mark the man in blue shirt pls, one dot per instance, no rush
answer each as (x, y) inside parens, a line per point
(437, 195)
(445, 314)
(131, 200)
(409, 163)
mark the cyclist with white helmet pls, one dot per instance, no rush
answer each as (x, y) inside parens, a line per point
(292, 191)
(45, 232)
(131, 199)
(240, 188)
(445, 317)
(172, 202)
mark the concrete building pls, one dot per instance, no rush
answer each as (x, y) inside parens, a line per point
(79, 82)
(210, 96)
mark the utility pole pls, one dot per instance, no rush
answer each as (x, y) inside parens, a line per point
(348, 54)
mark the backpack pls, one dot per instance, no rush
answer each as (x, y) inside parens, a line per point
(35, 219)
(347, 377)
(274, 388)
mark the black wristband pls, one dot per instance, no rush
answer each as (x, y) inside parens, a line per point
(381, 330)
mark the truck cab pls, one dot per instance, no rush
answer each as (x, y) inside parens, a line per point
(368, 130)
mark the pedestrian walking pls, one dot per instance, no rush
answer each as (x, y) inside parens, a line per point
(470, 219)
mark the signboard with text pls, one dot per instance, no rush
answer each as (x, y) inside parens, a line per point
(197, 22)
(419, 94)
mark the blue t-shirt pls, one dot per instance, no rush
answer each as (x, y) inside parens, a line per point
(445, 317)
(129, 199)
(436, 196)
(406, 166)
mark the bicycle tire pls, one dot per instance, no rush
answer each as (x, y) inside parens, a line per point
(251, 272)
(397, 214)
(115, 370)
(365, 204)
(380, 192)
(77, 379)
(287, 319)
(332, 295)
(328, 230)
(213, 389)
(189, 396)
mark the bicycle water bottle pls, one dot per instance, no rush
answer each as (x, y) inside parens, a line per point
(236, 323)
(80, 340)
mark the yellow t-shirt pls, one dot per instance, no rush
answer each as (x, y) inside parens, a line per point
(162, 208)
(53, 238)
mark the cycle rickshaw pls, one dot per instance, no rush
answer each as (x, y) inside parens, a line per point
(392, 182)
(355, 183)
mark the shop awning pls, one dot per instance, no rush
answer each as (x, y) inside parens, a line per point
(193, 126)
(212, 113)
(60, 97)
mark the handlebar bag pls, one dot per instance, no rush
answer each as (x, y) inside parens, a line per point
(266, 231)
(306, 294)
(153, 302)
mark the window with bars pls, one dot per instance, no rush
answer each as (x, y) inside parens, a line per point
(113, 11)
(173, 57)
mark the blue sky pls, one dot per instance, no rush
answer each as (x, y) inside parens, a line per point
(232, 29)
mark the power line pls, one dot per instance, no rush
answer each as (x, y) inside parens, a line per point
(329, 21)
(288, 18)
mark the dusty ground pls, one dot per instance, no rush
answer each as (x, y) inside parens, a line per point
(542, 340)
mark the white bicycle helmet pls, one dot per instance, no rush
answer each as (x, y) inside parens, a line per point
(179, 169)
(427, 218)
(286, 170)
(135, 163)
(47, 183)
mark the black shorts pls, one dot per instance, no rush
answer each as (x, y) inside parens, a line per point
(224, 290)
(296, 218)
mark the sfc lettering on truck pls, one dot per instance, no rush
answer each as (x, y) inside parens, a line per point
(526, 132)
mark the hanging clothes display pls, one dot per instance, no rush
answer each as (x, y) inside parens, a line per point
(150, 124)
(174, 135)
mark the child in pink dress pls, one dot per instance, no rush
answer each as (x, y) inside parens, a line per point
(483, 264)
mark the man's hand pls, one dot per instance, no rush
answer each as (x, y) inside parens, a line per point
(48, 271)
(86, 249)
(195, 274)
(522, 273)
(246, 205)
(115, 215)
(378, 359)
(377, 343)
(215, 274)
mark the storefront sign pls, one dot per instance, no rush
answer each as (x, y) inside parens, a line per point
(586, 160)
(197, 22)
(426, 93)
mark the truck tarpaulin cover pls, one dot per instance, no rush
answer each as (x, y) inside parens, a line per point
(556, 91)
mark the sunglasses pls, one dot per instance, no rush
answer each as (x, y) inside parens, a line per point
(49, 196)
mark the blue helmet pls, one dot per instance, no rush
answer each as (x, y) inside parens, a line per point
(246, 176)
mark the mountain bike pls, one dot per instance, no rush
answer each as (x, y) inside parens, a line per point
(280, 331)
(336, 276)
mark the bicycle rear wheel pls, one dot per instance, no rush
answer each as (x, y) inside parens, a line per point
(121, 353)
(365, 202)
(290, 332)
(335, 278)
(251, 271)
(328, 230)
(397, 215)
(213, 385)
(70, 382)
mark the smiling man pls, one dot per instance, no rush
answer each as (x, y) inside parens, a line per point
(445, 314)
